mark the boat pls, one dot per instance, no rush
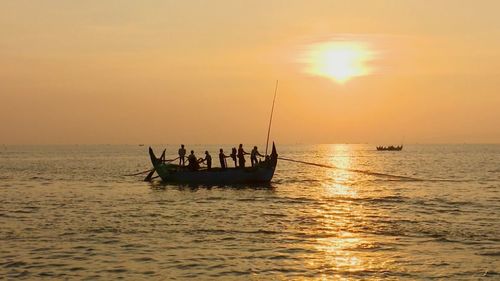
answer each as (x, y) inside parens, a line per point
(390, 148)
(261, 173)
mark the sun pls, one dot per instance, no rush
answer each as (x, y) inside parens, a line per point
(338, 60)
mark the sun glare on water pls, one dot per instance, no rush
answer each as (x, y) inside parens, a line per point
(338, 60)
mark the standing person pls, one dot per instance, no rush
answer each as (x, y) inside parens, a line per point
(253, 156)
(182, 155)
(233, 156)
(241, 156)
(193, 163)
(222, 159)
(208, 160)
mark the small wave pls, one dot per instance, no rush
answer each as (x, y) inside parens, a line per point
(247, 199)
(295, 200)
(306, 180)
(24, 211)
(214, 198)
(381, 180)
(217, 266)
(395, 180)
(260, 231)
(104, 230)
(51, 265)
(132, 246)
(370, 247)
(110, 241)
(494, 254)
(187, 266)
(278, 257)
(115, 270)
(457, 180)
(274, 215)
(14, 264)
(40, 178)
(144, 259)
(441, 238)
(228, 238)
(385, 199)
(43, 249)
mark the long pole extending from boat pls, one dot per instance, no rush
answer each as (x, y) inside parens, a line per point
(271, 119)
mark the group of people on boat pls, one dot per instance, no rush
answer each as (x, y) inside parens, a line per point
(390, 147)
(237, 155)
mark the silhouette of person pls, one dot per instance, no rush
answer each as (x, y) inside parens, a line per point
(208, 160)
(253, 156)
(233, 156)
(222, 159)
(193, 163)
(182, 155)
(241, 156)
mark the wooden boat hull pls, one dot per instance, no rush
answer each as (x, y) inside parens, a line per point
(216, 176)
(262, 173)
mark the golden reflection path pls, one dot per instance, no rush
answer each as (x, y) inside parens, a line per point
(340, 244)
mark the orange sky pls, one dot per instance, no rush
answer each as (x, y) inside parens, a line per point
(204, 72)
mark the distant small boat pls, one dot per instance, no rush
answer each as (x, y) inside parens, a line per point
(390, 148)
(262, 173)
(141, 144)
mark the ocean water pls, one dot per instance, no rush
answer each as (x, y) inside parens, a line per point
(67, 212)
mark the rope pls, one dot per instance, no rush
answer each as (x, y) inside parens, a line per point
(170, 160)
(351, 170)
(271, 118)
(149, 171)
(140, 173)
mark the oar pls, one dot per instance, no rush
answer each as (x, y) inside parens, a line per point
(351, 170)
(150, 175)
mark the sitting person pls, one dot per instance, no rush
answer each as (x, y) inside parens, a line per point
(193, 163)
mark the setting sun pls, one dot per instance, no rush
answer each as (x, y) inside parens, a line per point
(338, 60)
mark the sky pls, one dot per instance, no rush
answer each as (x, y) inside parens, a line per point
(195, 72)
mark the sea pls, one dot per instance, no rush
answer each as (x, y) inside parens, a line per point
(70, 213)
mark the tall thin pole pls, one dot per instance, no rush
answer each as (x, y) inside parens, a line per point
(271, 119)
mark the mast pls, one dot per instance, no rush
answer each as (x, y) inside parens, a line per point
(271, 118)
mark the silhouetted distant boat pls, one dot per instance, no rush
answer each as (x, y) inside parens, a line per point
(141, 144)
(390, 148)
(261, 173)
